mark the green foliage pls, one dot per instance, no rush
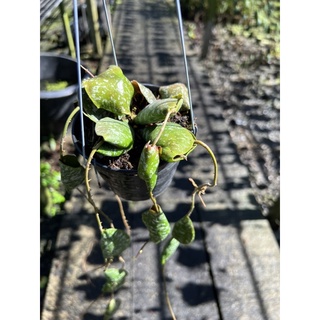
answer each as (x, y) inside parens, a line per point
(72, 173)
(169, 249)
(111, 308)
(55, 86)
(51, 190)
(258, 19)
(113, 242)
(115, 278)
(131, 114)
(157, 224)
(183, 230)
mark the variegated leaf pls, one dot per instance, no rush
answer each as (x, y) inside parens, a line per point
(113, 242)
(156, 111)
(72, 173)
(115, 132)
(183, 230)
(169, 249)
(110, 90)
(148, 165)
(176, 142)
(157, 224)
(176, 90)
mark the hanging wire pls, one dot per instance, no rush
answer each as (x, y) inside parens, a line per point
(185, 62)
(108, 16)
(77, 43)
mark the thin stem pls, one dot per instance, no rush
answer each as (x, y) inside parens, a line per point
(99, 210)
(193, 196)
(162, 128)
(167, 295)
(215, 179)
(123, 215)
(154, 200)
(65, 129)
(87, 180)
(141, 249)
(87, 71)
(200, 190)
(178, 106)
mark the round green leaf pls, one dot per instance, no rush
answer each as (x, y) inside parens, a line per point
(156, 111)
(109, 150)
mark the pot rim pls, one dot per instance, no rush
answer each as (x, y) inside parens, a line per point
(69, 90)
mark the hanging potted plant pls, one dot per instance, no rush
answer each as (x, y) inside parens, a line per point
(134, 135)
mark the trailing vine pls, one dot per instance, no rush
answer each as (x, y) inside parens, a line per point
(115, 119)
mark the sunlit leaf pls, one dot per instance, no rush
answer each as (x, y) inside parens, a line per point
(115, 278)
(110, 90)
(176, 142)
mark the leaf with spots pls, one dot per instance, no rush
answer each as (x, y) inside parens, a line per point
(110, 90)
(183, 230)
(176, 142)
(156, 223)
(72, 173)
(148, 165)
(169, 249)
(113, 242)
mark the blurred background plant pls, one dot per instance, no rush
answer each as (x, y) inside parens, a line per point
(256, 19)
(51, 197)
(52, 200)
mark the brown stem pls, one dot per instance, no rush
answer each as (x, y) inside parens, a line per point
(215, 179)
(87, 71)
(167, 295)
(123, 215)
(87, 180)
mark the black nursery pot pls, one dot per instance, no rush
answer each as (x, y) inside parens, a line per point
(55, 106)
(126, 183)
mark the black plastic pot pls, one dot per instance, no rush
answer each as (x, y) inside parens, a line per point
(55, 106)
(126, 183)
